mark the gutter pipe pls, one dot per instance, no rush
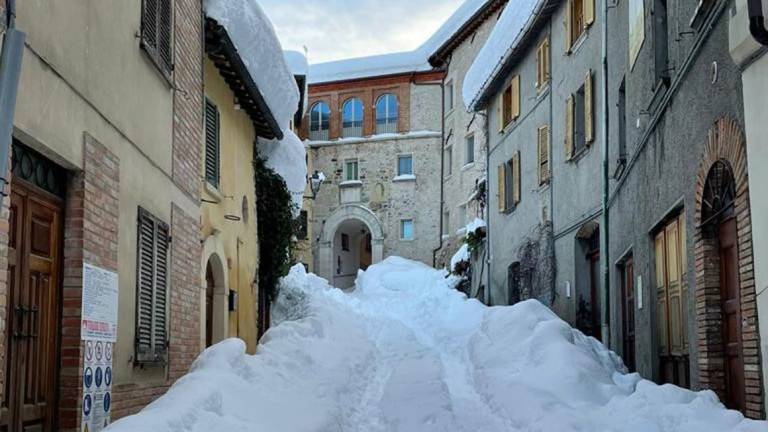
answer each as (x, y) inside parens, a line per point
(604, 234)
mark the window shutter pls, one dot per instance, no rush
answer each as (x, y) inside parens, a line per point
(212, 143)
(569, 128)
(589, 103)
(589, 12)
(673, 289)
(516, 178)
(149, 23)
(157, 32)
(502, 189)
(500, 111)
(661, 294)
(539, 65)
(164, 39)
(152, 289)
(568, 26)
(516, 97)
(543, 140)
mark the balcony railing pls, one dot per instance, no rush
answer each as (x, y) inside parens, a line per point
(318, 135)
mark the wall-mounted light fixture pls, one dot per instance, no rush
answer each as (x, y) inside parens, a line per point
(315, 182)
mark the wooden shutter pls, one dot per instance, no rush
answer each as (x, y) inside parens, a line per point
(569, 127)
(212, 143)
(674, 299)
(165, 32)
(500, 112)
(589, 12)
(543, 144)
(516, 178)
(540, 66)
(157, 32)
(502, 188)
(149, 23)
(662, 324)
(568, 26)
(589, 109)
(151, 289)
(515, 97)
(683, 279)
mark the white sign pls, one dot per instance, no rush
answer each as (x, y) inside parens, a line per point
(99, 316)
(97, 385)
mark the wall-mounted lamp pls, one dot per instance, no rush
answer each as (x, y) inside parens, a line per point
(315, 182)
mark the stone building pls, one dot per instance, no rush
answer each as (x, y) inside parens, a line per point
(464, 151)
(680, 303)
(106, 159)
(377, 141)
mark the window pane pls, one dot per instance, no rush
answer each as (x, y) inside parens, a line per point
(319, 121)
(386, 114)
(470, 149)
(405, 165)
(352, 121)
(406, 229)
(351, 170)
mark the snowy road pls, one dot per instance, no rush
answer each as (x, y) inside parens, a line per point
(406, 352)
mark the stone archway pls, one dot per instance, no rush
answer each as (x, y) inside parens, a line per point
(725, 152)
(325, 255)
(214, 269)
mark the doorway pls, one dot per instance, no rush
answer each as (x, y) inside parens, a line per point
(730, 303)
(628, 314)
(33, 311)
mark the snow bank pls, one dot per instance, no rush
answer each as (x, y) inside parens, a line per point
(258, 46)
(396, 63)
(461, 255)
(407, 352)
(514, 22)
(288, 157)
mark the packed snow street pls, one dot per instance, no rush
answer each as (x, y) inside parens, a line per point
(404, 351)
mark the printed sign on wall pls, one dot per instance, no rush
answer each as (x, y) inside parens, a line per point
(99, 333)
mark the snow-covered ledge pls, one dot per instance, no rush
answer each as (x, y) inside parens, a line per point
(405, 178)
(351, 184)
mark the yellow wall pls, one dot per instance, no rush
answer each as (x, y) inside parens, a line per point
(238, 240)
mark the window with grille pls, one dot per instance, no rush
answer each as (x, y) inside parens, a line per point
(351, 172)
(212, 143)
(157, 33)
(386, 114)
(152, 289)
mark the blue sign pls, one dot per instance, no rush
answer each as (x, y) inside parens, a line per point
(108, 376)
(99, 376)
(107, 401)
(87, 405)
(88, 377)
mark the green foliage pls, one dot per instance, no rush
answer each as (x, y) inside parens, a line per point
(275, 226)
(475, 240)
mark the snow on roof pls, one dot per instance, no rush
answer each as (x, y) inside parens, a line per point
(297, 62)
(288, 158)
(396, 63)
(257, 44)
(514, 23)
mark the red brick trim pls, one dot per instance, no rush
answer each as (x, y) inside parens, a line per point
(725, 143)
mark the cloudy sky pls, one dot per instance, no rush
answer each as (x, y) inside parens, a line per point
(339, 29)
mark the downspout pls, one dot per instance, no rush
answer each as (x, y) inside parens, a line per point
(551, 150)
(10, 73)
(442, 166)
(756, 21)
(604, 235)
(489, 251)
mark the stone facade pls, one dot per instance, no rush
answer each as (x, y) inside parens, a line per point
(378, 200)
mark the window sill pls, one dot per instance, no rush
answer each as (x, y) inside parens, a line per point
(408, 240)
(449, 112)
(351, 184)
(404, 178)
(468, 166)
(575, 46)
(213, 191)
(580, 154)
(447, 178)
(165, 73)
(543, 90)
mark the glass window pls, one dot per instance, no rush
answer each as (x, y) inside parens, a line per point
(386, 114)
(406, 229)
(319, 121)
(352, 118)
(449, 96)
(351, 170)
(405, 165)
(470, 152)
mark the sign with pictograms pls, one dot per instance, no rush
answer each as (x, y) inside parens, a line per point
(99, 333)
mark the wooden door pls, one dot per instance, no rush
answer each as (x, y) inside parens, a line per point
(210, 287)
(628, 315)
(34, 259)
(731, 307)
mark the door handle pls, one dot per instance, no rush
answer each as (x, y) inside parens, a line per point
(18, 328)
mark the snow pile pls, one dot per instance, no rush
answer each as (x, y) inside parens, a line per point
(258, 47)
(389, 64)
(462, 255)
(475, 225)
(407, 352)
(514, 23)
(297, 62)
(288, 157)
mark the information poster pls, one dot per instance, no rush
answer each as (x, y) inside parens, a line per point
(99, 333)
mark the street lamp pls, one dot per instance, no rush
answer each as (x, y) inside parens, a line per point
(315, 182)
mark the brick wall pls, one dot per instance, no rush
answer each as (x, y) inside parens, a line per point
(188, 98)
(90, 235)
(726, 143)
(4, 213)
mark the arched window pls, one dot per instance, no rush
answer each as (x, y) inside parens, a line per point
(352, 118)
(386, 114)
(319, 121)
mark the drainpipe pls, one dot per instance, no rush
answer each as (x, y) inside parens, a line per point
(489, 251)
(10, 72)
(442, 165)
(604, 235)
(756, 21)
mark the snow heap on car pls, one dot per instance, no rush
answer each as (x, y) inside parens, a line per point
(406, 352)
(396, 63)
(259, 48)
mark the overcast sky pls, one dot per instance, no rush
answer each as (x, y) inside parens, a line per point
(339, 29)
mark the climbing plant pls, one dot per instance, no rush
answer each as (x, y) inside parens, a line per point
(275, 226)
